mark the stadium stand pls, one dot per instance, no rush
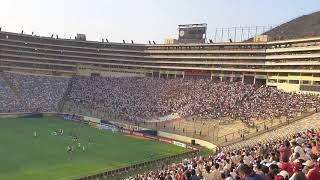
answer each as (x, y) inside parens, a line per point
(295, 156)
(32, 93)
(247, 81)
(291, 65)
(7, 98)
(143, 99)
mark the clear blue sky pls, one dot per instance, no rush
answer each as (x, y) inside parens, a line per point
(143, 20)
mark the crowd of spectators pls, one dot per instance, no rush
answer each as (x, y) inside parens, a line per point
(31, 93)
(146, 98)
(8, 99)
(296, 158)
(140, 99)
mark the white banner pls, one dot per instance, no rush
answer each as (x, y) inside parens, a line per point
(179, 144)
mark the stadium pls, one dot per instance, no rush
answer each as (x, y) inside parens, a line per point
(187, 109)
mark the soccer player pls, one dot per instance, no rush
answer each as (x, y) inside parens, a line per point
(35, 134)
(61, 132)
(54, 133)
(79, 145)
(83, 149)
(75, 138)
(69, 149)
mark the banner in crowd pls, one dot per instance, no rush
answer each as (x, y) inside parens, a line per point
(79, 119)
(179, 144)
(169, 141)
(151, 137)
(73, 117)
(94, 125)
(91, 119)
(137, 134)
(125, 131)
(109, 127)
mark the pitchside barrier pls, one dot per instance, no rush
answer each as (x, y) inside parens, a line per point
(26, 114)
(148, 134)
(261, 128)
(187, 140)
(139, 166)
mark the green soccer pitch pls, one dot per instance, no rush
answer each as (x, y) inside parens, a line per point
(23, 156)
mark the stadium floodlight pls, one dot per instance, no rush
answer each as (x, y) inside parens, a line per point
(123, 41)
(154, 42)
(132, 42)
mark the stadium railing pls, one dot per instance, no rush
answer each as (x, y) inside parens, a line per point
(260, 128)
(138, 166)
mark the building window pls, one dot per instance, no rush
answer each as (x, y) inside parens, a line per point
(283, 74)
(306, 74)
(294, 74)
(273, 74)
(294, 81)
(306, 82)
(282, 81)
(272, 80)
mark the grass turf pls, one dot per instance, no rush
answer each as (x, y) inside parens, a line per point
(23, 156)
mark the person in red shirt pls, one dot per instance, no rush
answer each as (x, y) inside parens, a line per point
(313, 171)
(298, 174)
(285, 166)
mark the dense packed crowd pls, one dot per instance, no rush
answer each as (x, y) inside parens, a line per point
(8, 99)
(30, 93)
(296, 158)
(146, 98)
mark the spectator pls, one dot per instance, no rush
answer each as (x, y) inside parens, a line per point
(246, 173)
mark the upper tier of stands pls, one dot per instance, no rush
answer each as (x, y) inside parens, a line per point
(21, 52)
